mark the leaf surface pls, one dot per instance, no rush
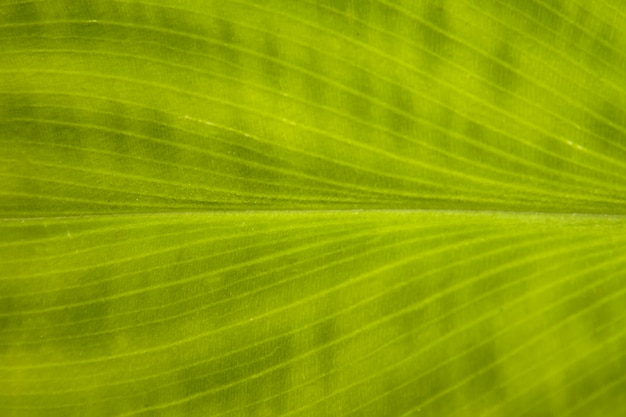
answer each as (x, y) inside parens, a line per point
(347, 207)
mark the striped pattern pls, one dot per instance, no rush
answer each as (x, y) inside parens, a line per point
(312, 207)
(202, 105)
(312, 314)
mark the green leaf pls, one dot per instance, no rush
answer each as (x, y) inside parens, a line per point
(312, 208)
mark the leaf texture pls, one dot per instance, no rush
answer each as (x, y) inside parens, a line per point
(311, 208)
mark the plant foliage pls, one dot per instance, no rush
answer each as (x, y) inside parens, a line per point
(312, 208)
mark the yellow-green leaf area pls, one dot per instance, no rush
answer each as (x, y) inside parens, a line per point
(312, 208)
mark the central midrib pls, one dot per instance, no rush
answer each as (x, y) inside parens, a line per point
(304, 212)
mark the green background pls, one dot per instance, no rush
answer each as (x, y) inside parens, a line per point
(312, 207)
